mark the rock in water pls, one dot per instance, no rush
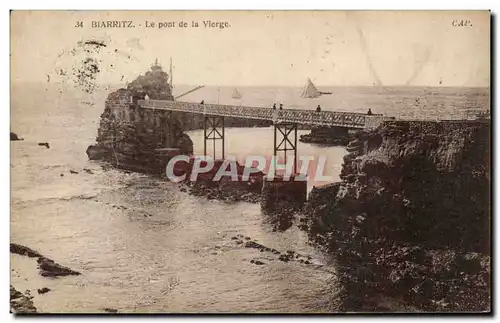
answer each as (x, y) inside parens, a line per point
(43, 290)
(24, 251)
(14, 137)
(46, 144)
(20, 303)
(110, 310)
(48, 268)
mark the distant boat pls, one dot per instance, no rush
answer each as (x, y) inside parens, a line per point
(310, 91)
(236, 94)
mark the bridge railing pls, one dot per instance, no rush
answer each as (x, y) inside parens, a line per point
(323, 118)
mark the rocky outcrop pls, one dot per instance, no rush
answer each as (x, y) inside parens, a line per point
(47, 267)
(411, 217)
(328, 136)
(14, 137)
(129, 137)
(21, 303)
(24, 251)
(281, 200)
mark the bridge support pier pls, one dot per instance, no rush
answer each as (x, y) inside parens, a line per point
(287, 142)
(211, 131)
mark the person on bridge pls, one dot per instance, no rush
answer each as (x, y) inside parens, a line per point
(274, 106)
(318, 109)
(369, 112)
(281, 106)
(202, 102)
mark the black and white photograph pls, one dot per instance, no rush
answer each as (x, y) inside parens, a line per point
(250, 162)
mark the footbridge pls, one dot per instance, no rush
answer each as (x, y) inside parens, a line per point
(285, 120)
(350, 120)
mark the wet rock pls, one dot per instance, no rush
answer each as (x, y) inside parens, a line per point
(253, 244)
(110, 310)
(20, 303)
(73, 172)
(247, 238)
(258, 262)
(15, 137)
(284, 258)
(48, 268)
(43, 290)
(24, 251)
(239, 242)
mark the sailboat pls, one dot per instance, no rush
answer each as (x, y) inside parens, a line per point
(310, 91)
(236, 94)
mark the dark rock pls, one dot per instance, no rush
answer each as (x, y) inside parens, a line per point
(96, 152)
(257, 262)
(43, 290)
(110, 310)
(48, 268)
(24, 251)
(44, 144)
(284, 258)
(398, 223)
(20, 303)
(89, 171)
(253, 244)
(14, 137)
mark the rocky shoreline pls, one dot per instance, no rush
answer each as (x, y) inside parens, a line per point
(15, 137)
(47, 267)
(225, 192)
(399, 222)
(23, 303)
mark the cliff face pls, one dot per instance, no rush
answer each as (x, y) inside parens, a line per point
(410, 218)
(129, 136)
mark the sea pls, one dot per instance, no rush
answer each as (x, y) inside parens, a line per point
(144, 246)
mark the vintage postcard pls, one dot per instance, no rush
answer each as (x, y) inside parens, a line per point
(250, 162)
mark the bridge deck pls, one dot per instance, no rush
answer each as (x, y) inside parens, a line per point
(323, 118)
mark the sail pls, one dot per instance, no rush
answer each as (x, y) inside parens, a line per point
(236, 94)
(310, 91)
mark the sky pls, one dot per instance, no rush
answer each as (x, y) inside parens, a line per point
(259, 48)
